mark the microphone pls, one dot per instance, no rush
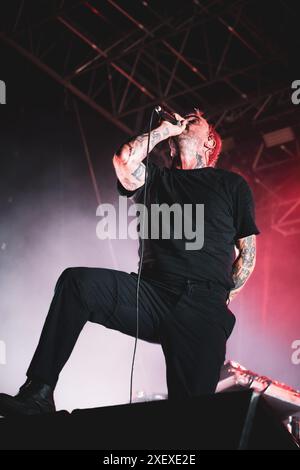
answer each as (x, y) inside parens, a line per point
(166, 116)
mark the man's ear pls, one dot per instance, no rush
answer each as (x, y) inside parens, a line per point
(210, 143)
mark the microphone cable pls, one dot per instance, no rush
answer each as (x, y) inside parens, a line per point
(141, 255)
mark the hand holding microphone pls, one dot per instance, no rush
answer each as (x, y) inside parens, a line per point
(175, 124)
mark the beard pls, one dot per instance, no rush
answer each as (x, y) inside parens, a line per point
(187, 142)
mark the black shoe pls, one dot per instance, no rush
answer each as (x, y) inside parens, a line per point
(34, 398)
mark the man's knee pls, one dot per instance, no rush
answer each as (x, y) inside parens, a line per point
(73, 275)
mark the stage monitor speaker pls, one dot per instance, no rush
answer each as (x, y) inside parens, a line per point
(236, 420)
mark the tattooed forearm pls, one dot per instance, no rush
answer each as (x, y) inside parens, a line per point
(134, 145)
(244, 264)
(155, 137)
(136, 148)
(166, 132)
(127, 160)
(131, 180)
(129, 184)
(139, 173)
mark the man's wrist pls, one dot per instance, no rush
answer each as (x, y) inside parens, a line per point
(163, 130)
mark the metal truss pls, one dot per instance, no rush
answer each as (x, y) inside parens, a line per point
(123, 57)
(286, 217)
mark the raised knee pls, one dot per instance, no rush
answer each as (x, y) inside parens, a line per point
(71, 274)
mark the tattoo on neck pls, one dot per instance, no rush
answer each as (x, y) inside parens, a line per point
(199, 159)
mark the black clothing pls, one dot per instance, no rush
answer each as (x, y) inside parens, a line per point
(228, 216)
(34, 398)
(183, 293)
(183, 319)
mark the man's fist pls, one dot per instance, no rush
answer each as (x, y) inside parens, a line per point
(174, 129)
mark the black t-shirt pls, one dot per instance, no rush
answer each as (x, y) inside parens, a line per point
(228, 216)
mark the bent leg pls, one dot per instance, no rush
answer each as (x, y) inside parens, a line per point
(104, 296)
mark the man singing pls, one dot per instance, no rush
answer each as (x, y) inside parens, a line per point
(184, 294)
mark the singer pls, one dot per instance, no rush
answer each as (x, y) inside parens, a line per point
(184, 295)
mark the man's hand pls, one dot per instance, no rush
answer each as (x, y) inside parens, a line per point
(171, 130)
(127, 160)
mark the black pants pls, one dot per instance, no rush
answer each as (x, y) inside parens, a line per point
(183, 316)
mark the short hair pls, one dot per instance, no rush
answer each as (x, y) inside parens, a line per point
(213, 134)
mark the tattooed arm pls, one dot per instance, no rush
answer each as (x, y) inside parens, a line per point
(244, 264)
(128, 159)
